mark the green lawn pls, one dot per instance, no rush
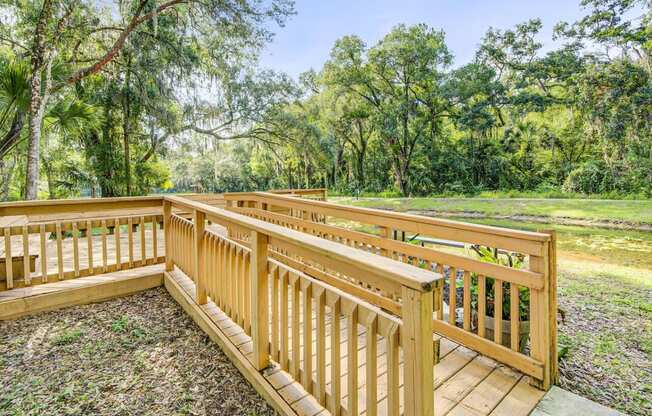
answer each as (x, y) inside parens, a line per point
(633, 211)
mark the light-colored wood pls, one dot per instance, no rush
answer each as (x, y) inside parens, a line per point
(44, 254)
(259, 298)
(26, 259)
(75, 244)
(8, 259)
(417, 349)
(167, 214)
(521, 241)
(336, 373)
(89, 247)
(306, 294)
(143, 244)
(452, 295)
(320, 305)
(351, 313)
(59, 251)
(105, 253)
(130, 239)
(467, 301)
(482, 304)
(55, 295)
(498, 311)
(371, 365)
(116, 235)
(199, 223)
(514, 316)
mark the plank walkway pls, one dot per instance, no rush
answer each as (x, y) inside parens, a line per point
(466, 383)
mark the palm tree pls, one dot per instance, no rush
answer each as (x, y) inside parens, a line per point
(14, 101)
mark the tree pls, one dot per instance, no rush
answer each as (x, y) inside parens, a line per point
(72, 29)
(401, 78)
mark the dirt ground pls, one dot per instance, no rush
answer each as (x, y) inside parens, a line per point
(136, 355)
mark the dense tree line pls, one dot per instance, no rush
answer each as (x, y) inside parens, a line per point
(142, 96)
(397, 116)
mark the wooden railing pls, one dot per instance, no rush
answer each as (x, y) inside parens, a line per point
(479, 280)
(47, 241)
(287, 313)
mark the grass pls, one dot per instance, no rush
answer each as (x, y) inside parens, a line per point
(605, 339)
(631, 211)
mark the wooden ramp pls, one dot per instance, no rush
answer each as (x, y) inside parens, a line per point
(466, 383)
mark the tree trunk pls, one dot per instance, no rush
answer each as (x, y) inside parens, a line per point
(37, 103)
(6, 172)
(125, 128)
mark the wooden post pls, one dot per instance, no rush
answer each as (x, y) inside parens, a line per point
(417, 350)
(199, 219)
(259, 300)
(167, 215)
(543, 315)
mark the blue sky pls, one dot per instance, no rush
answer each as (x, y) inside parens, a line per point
(307, 39)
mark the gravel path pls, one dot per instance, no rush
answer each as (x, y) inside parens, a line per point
(136, 355)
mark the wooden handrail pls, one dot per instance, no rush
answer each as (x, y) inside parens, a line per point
(537, 279)
(256, 292)
(396, 272)
(520, 241)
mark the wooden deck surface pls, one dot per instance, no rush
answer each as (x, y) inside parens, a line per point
(466, 383)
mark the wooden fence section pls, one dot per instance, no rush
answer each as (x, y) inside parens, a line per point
(508, 293)
(35, 253)
(289, 314)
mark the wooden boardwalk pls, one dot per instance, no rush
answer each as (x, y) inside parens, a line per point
(466, 383)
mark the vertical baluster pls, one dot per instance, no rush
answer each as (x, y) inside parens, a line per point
(8, 259)
(467, 300)
(498, 311)
(352, 357)
(371, 365)
(230, 269)
(482, 304)
(284, 320)
(44, 254)
(26, 262)
(130, 239)
(336, 373)
(199, 219)
(116, 236)
(75, 248)
(154, 239)
(238, 298)
(296, 315)
(221, 273)
(439, 293)
(514, 316)
(59, 251)
(89, 247)
(393, 400)
(105, 251)
(320, 304)
(167, 233)
(306, 292)
(452, 295)
(143, 244)
(275, 312)
(247, 292)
